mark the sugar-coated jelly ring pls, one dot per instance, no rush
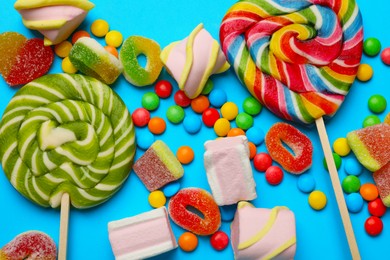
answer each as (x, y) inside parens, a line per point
(201, 201)
(133, 71)
(299, 143)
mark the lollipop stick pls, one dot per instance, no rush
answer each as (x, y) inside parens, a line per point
(337, 188)
(64, 219)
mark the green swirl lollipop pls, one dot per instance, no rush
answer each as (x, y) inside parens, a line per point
(67, 134)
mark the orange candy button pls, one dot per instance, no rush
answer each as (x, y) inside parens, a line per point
(185, 154)
(369, 191)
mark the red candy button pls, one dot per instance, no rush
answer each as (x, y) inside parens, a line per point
(219, 240)
(377, 208)
(163, 88)
(210, 116)
(373, 226)
(181, 99)
(274, 175)
(140, 117)
(262, 161)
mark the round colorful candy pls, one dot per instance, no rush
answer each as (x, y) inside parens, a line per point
(235, 131)
(317, 200)
(337, 161)
(377, 208)
(354, 202)
(99, 28)
(222, 127)
(306, 183)
(377, 103)
(157, 125)
(62, 49)
(171, 188)
(353, 167)
(385, 56)
(371, 120)
(364, 72)
(163, 88)
(188, 241)
(351, 184)
(371, 46)
(255, 135)
(67, 66)
(181, 99)
(251, 106)
(244, 121)
(207, 88)
(210, 116)
(140, 117)
(175, 114)
(144, 139)
(229, 110)
(114, 38)
(192, 124)
(274, 175)
(262, 161)
(185, 154)
(112, 50)
(341, 147)
(79, 34)
(373, 226)
(219, 240)
(252, 150)
(157, 199)
(217, 97)
(150, 101)
(369, 191)
(227, 212)
(200, 104)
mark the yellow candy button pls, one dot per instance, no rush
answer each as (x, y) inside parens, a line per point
(114, 38)
(341, 147)
(157, 199)
(317, 200)
(67, 66)
(364, 72)
(222, 127)
(99, 28)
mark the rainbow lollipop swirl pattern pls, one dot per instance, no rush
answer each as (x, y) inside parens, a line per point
(299, 58)
(63, 133)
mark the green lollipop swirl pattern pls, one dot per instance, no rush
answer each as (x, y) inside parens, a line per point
(67, 133)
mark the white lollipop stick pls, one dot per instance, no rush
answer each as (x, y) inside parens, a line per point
(64, 221)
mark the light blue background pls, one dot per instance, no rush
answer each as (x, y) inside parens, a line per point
(320, 234)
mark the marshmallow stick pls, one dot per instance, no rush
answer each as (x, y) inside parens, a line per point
(334, 177)
(64, 221)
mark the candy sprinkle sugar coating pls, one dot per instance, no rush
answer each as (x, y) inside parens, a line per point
(66, 133)
(296, 64)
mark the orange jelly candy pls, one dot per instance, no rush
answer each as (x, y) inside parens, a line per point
(281, 134)
(10, 43)
(205, 223)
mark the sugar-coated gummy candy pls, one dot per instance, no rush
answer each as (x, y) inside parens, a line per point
(171, 188)
(371, 145)
(354, 202)
(150, 101)
(192, 124)
(306, 183)
(353, 167)
(373, 226)
(371, 46)
(30, 245)
(203, 202)
(244, 120)
(369, 191)
(376, 208)
(157, 125)
(157, 199)
(364, 72)
(133, 47)
(67, 66)
(262, 161)
(337, 161)
(100, 28)
(181, 99)
(62, 49)
(163, 88)
(227, 212)
(219, 240)
(210, 116)
(185, 154)
(144, 139)
(222, 127)
(175, 114)
(114, 38)
(274, 175)
(283, 133)
(188, 241)
(251, 106)
(33, 60)
(141, 117)
(229, 110)
(158, 166)
(377, 103)
(90, 57)
(255, 135)
(200, 104)
(382, 181)
(317, 200)
(350, 184)
(10, 45)
(217, 97)
(341, 147)
(385, 56)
